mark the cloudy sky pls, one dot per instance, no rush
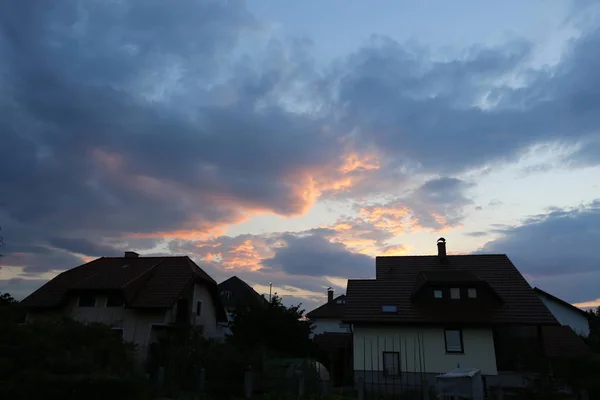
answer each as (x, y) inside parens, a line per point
(291, 142)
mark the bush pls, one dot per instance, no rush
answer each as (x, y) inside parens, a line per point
(64, 359)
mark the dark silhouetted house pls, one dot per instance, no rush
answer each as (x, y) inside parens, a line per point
(565, 313)
(235, 292)
(140, 297)
(328, 317)
(426, 315)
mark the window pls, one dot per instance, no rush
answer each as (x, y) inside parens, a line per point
(391, 363)
(341, 301)
(118, 332)
(454, 341)
(226, 294)
(472, 292)
(199, 308)
(87, 300)
(455, 293)
(345, 326)
(389, 309)
(437, 293)
(114, 300)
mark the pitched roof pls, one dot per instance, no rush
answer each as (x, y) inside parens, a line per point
(560, 301)
(396, 277)
(240, 292)
(145, 282)
(561, 341)
(331, 309)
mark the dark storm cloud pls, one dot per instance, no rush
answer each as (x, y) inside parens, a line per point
(138, 116)
(83, 246)
(559, 248)
(87, 146)
(316, 256)
(423, 111)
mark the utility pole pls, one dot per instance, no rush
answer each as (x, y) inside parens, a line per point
(270, 289)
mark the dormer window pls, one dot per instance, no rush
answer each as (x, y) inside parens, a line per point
(438, 294)
(389, 309)
(455, 293)
(472, 293)
(340, 301)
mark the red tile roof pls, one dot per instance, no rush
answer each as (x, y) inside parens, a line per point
(330, 309)
(397, 276)
(146, 282)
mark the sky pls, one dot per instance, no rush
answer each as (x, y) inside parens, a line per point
(292, 142)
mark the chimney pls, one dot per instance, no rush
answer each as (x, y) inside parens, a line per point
(131, 254)
(329, 294)
(441, 244)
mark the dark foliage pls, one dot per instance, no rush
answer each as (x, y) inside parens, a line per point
(63, 359)
(271, 327)
(593, 340)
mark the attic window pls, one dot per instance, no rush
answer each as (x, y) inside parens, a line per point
(341, 301)
(455, 293)
(86, 300)
(389, 309)
(438, 294)
(226, 294)
(472, 293)
(114, 300)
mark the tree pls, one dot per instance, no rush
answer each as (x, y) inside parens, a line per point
(259, 327)
(593, 339)
(7, 300)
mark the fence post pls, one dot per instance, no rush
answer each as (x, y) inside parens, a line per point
(300, 384)
(202, 381)
(425, 389)
(361, 388)
(248, 382)
(160, 376)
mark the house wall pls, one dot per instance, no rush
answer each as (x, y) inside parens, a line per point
(430, 356)
(208, 318)
(567, 316)
(136, 324)
(329, 325)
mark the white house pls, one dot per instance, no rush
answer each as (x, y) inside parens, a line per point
(328, 317)
(565, 313)
(426, 315)
(139, 297)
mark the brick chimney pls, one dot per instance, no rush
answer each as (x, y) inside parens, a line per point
(441, 244)
(329, 294)
(131, 254)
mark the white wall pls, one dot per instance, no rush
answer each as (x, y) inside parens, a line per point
(369, 343)
(136, 324)
(208, 317)
(566, 316)
(329, 325)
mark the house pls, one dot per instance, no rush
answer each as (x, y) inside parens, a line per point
(328, 317)
(234, 291)
(139, 297)
(565, 313)
(333, 338)
(426, 315)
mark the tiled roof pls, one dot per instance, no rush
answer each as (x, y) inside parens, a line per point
(397, 276)
(561, 341)
(146, 282)
(330, 309)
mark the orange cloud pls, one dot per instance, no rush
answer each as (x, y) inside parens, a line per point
(588, 304)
